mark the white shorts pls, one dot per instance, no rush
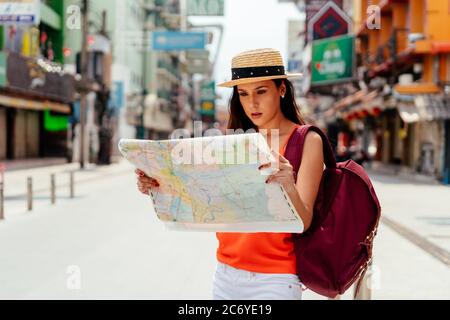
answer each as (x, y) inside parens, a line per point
(236, 284)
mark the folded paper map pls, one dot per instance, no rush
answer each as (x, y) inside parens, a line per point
(213, 184)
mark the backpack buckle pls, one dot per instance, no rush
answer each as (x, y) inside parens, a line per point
(371, 235)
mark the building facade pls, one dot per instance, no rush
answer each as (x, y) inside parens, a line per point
(168, 103)
(400, 114)
(396, 107)
(36, 93)
(123, 24)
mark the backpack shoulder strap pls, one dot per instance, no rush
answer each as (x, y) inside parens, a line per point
(294, 148)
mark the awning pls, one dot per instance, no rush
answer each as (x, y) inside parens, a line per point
(345, 102)
(349, 100)
(408, 112)
(440, 47)
(433, 47)
(371, 104)
(424, 108)
(417, 88)
(21, 103)
(433, 106)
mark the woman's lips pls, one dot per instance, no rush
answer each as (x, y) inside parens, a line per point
(256, 115)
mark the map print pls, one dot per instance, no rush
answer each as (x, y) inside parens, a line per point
(213, 184)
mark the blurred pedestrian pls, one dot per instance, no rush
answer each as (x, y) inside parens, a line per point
(263, 265)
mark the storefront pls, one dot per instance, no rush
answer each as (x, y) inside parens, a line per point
(25, 127)
(446, 171)
(359, 126)
(425, 117)
(23, 133)
(393, 137)
(34, 94)
(3, 133)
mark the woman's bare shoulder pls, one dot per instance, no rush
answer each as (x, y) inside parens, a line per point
(313, 140)
(313, 157)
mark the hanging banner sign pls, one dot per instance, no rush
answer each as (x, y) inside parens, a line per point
(20, 11)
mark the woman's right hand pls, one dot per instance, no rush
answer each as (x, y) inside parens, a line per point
(144, 182)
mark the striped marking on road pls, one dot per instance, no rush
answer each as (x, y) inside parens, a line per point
(420, 241)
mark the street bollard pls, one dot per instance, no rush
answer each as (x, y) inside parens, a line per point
(53, 188)
(2, 172)
(30, 193)
(72, 187)
(2, 213)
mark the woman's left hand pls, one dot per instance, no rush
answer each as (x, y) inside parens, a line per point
(283, 174)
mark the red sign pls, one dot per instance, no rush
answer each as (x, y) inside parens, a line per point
(314, 6)
(329, 21)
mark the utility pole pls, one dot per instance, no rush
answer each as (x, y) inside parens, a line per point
(105, 132)
(103, 31)
(84, 76)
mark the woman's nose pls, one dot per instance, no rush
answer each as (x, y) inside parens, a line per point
(253, 101)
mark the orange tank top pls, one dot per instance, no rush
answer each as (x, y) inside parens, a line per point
(258, 252)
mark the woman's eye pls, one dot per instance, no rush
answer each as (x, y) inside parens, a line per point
(242, 94)
(261, 92)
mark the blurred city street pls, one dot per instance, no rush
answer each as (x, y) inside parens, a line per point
(109, 238)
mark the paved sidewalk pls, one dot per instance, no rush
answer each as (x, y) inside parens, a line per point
(15, 184)
(111, 235)
(401, 172)
(110, 232)
(22, 164)
(420, 206)
(401, 270)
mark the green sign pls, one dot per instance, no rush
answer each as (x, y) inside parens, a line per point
(208, 90)
(208, 108)
(333, 60)
(3, 60)
(55, 123)
(207, 98)
(205, 7)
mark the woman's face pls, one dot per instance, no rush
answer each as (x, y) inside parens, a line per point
(261, 101)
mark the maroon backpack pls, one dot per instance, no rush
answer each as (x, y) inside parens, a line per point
(337, 248)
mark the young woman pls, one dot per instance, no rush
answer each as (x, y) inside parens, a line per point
(262, 265)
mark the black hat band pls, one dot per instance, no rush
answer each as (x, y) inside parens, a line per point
(255, 72)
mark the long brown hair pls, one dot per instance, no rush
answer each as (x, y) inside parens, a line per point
(239, 120)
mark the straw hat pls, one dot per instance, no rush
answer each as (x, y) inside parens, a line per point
(257, 65)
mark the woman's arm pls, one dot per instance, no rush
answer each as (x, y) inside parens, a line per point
(302, 193)
(303, 196)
